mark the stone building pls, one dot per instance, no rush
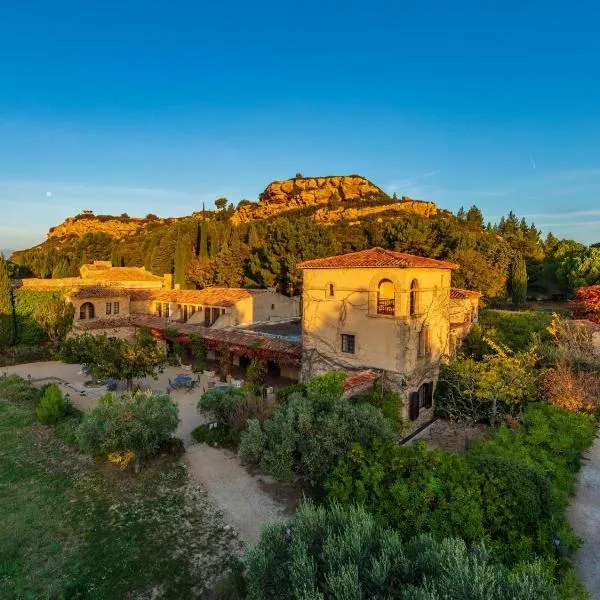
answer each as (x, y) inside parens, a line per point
(380, 310)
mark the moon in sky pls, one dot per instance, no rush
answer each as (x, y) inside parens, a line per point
(49, 194)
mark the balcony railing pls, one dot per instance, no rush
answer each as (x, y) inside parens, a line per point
(385, 307)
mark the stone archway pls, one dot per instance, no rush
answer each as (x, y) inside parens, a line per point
(86, 311)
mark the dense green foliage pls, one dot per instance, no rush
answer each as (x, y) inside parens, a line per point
(138, 422)
(510, 492)
(207, 250)
(309, 433)
(7, 313)
(381, 396)
(482, 390)
(116, 358)
(42, 316)
(516, 330)
(52, 406)
(343, 552)
(518, 280)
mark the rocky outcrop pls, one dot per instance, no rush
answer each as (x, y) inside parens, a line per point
(421, 207)
(115, 226)
(292, 194)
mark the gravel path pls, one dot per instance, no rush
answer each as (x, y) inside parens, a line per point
(244, 499)
(584, 515)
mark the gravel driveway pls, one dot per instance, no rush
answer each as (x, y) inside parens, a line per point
(584, 515)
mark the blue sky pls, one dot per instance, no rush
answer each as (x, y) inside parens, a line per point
(158, 107)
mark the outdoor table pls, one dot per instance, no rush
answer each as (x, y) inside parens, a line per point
(182, 381)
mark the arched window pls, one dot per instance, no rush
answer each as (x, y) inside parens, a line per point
(412, 304)
(86, 311)
(385, 298)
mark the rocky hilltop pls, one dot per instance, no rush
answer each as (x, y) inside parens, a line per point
(117, 227)
(341, 197)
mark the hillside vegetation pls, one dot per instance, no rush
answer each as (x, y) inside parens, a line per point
(260, 244)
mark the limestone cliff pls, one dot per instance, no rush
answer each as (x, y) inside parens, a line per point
(117, 227)
(341, 197)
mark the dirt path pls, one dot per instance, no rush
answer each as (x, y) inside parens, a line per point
(244, 499)
(584, 515)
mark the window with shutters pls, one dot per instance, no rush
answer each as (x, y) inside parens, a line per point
(158, 309)
(116, 308)
(108, 308)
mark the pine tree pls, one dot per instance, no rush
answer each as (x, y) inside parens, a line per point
(474, 217)
(518, 280)
(8, 328)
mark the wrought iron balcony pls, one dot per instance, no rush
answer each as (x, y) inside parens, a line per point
(385, 306)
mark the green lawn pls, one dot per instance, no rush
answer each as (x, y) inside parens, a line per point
(70, 528)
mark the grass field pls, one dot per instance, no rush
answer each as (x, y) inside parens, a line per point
(71, 528)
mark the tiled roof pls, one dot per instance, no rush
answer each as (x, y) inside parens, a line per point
(212, 296)
(460, 294)
(119, 274)
(376, 257)
(100, 292)
(359, 379)
(226, 336)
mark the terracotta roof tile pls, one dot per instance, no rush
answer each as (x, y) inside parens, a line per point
(100, 292)
(460, 294)
(119, 274)
(376, 257)
(359, 379)
(208, 296)
(226, 336)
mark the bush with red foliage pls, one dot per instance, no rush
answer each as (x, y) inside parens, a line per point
(586, 304)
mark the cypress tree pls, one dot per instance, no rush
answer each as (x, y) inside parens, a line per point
(518, 279)
(183, 255)
(115, 256)
(8, 328)
(204, 240)
(214, 243)
(253, 240)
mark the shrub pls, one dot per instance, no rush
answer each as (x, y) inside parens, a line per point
(16, 355)
(385, 399)
(414, 490)
(514, 329)
(256, 372)
(343, 552)
(17, 389)
(251, 445)
(231, 409)
(138, 422)
(309, 434)
(471, 390)
(52, 408)
(295, 388)
(577, 392)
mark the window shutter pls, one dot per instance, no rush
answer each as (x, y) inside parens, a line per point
(429, 395)
(413, 407)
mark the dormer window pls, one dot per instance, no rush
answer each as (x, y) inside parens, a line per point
(412, 303)
(386, 303)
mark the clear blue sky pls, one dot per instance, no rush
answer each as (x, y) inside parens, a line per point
(159, 106)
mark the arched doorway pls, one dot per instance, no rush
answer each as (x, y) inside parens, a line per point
(86, 311)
